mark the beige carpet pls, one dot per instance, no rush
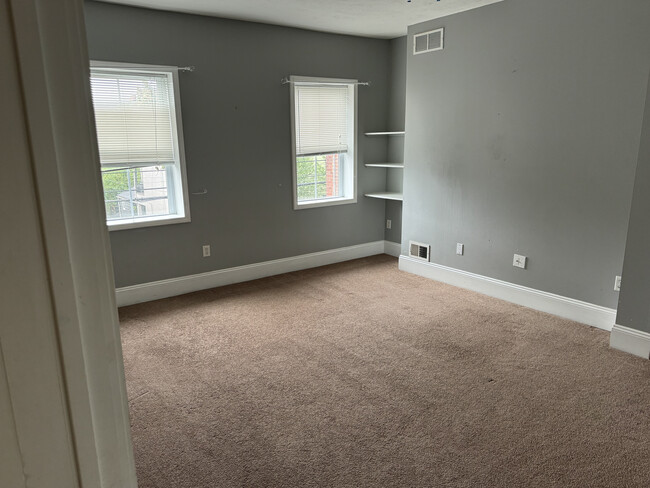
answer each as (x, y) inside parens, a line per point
(359, 375)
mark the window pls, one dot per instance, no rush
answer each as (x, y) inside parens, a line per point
(324, 126)
(137, 115)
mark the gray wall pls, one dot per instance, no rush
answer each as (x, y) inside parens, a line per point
(397, 108)
(247, 214)
(634, 300)
(522, 137)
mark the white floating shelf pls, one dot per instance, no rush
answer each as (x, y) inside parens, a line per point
(396, 133)
(384, 165)
(386, 195)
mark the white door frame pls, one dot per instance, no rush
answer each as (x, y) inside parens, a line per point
(60, 350)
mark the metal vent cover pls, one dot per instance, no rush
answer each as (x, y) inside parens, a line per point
(429, 41)
(419, 250)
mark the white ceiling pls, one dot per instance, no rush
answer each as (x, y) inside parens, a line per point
(370, 18)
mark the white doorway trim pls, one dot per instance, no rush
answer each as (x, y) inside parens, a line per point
(80, 343)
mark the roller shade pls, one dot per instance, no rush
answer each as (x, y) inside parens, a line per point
(322, 118)
(134, 117)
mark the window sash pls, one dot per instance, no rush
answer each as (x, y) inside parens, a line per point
(330, 180)
(151, 191)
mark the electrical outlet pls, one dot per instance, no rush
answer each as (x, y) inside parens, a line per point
(519, 261)
(617, 284)
(389, 224)
(206, 251)
(460, 249)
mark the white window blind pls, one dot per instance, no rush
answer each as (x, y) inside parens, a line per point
(321, 118)
(134, 113)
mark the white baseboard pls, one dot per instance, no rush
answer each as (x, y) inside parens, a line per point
(631, 341)
(392, 248)
(146, 292)
(568, 308)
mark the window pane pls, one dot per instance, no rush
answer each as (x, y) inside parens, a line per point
(318, 177)
(305, 193)
(333, 175)
(136, 192)
(305, 169)
(320, 167)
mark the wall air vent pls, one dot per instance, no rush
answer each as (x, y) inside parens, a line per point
(429, 41)
(418, 250)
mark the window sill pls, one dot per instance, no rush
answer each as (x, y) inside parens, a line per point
(323, 203)
(125, 224)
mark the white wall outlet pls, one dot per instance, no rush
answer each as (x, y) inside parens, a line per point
(389, 223)
(519, 261)
(206, 251)
(460, 249)
(617, 284)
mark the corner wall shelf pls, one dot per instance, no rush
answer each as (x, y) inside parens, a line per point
(386, 195)
(384, 165)
(395, 133)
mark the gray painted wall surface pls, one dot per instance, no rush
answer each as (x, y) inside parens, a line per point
(634, 300)
(397, 108)
(522, 137)
(236, 120)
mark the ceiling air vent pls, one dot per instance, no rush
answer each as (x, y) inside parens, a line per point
(418, 250)
(427, 42)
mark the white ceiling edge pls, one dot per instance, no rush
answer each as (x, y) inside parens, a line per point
(384, 19)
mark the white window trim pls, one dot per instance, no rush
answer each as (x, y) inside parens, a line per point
(330, 201)
(123, 224)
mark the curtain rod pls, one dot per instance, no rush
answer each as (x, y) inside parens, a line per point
(286, 81)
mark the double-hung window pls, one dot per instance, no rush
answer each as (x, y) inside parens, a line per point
(324, 123)
(139, 133)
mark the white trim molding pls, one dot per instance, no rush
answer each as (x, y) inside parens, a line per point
(631, 341)
(61, 356)
(569, 308)
(392, 248)
(130, 295)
